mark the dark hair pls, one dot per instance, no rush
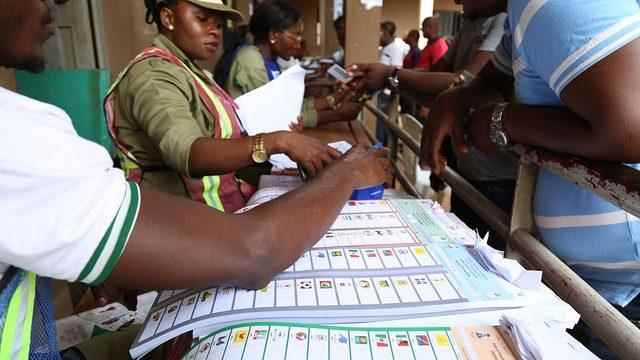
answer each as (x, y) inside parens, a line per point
(272, 15)
(389, 27)
(153, 10)
(337, 21)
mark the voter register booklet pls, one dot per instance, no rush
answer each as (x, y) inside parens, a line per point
(381, 260)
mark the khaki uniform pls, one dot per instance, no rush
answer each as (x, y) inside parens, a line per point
(159, 116)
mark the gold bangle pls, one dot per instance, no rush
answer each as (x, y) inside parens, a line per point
(331, 100)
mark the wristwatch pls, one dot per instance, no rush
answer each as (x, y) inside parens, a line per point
(497, 134)
(258, 152)
(394, 80)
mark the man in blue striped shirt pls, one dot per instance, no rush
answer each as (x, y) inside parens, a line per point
(573, 64)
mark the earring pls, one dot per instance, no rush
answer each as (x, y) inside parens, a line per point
(273, 41)
(171, 27)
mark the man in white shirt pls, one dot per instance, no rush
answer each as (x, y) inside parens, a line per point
(392, 53)
(66, 213)
(393, 49)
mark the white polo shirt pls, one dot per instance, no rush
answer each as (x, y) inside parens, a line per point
(65, 212)
(394, 53)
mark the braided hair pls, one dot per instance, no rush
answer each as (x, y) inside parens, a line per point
(153, 10)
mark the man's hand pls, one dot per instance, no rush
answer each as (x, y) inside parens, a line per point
(447, 118)
(369, 76)
(349, 110)
(367, 166)
(308, 152)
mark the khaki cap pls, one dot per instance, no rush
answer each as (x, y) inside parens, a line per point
(219, 6)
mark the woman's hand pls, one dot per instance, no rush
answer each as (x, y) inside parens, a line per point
(368, 166)
(308, 152)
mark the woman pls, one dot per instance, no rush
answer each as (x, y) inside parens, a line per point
(176, 129)
(277, 30)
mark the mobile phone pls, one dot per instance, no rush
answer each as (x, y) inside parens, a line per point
(339, 73)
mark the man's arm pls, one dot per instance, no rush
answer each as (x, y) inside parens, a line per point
(179, 243)
(426, 83)
(602, 117)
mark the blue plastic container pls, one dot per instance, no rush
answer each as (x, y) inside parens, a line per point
(370, 193)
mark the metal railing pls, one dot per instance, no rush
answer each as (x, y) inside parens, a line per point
(616, 183)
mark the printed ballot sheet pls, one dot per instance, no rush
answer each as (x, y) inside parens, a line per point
(381, 260)
(278, 341)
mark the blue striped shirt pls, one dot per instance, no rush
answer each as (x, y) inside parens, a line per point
(548, 44)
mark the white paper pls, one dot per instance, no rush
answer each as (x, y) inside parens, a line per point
(281, 161)
(274, 106)
(536, 340)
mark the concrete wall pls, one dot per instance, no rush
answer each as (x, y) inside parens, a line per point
(405, 13)
(125, 31)
(310, 10)
(446, 5)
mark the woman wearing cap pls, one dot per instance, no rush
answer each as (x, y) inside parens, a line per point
(176, 129)
(277, 29)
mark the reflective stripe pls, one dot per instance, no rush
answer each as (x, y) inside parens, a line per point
(210, 193)
(226, 129)
(559, 222)
(16, 335)
(211, 190)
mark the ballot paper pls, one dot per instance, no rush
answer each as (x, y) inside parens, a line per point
(532, 339)
(281, 161)
(284, 341)
(493, 260)
(380, 260)
(274, 106)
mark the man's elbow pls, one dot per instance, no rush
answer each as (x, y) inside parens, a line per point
(261, 262)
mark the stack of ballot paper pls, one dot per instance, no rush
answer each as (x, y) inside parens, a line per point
(532, 339)
(381, 260)
(282, 341)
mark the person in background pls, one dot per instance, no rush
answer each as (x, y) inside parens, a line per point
(413, 57)
(437, 46)
(176, 129)
(94, 225)
(393, 49)
(277, 30)
(494, 175)
(341, 33)
(233, 41)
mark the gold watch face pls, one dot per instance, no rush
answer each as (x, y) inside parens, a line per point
(259, 156)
